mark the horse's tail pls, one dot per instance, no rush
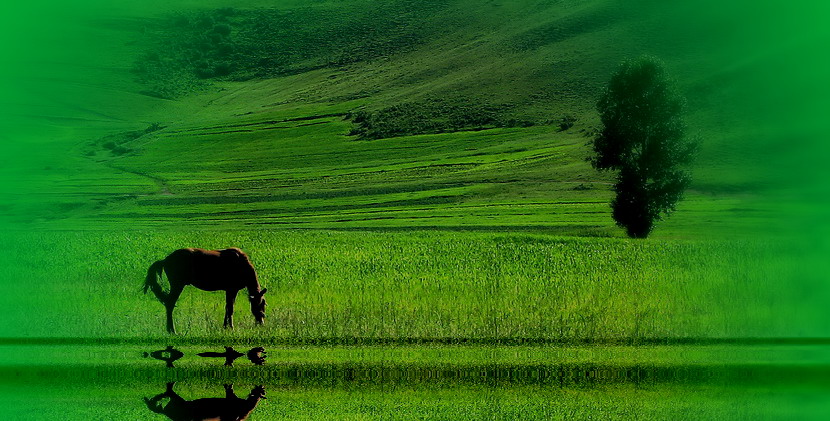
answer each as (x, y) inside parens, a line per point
(151, 282)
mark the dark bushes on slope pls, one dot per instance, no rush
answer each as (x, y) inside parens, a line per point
(431, 116)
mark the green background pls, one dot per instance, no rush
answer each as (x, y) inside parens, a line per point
(486, 235)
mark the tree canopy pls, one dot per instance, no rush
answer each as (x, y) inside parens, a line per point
(643, 138)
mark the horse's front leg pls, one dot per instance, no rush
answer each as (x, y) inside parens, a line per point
(229, 393)
(230, 298)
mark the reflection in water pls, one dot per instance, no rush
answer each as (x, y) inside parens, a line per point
(71, 383)
(228, 408)
(255, 355)
(168, 355)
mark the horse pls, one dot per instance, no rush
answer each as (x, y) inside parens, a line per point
(228, 270)
(231, 407)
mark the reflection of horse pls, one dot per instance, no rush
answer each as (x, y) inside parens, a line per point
(255, 355)
(209, 270)
(229, 408)
(168, 355)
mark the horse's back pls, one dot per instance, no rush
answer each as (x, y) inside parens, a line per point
(189, 259)
(205, 269)
(189, 252)
(195, 253)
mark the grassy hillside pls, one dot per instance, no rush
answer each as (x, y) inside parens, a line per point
(308, 115)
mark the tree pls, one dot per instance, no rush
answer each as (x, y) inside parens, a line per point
(643, 139)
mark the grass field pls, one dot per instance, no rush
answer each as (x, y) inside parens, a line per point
(434, 245)
(117, 401)
(411, 285)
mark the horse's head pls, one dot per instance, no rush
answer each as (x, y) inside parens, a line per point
(257, 300)
(257, 393)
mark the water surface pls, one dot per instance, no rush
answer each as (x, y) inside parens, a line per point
(415, 382)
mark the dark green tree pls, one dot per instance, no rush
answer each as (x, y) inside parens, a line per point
(643, 138)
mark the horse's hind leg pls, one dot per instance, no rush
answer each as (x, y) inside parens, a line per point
(153, 403)
(170, 304)
(157, 291)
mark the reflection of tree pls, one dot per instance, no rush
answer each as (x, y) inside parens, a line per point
(228, 408)
(168, 355)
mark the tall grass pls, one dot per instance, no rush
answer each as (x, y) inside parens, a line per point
(404, 286)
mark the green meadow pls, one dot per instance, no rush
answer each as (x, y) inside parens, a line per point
(409, 286)
(419, 325)
(412, 184)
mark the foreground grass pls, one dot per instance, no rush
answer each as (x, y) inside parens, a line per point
(626, 402)
(117, 397)
(410, 286)
(429, 382)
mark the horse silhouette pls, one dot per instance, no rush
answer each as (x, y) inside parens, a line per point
(229, 408)
(255, 355)
(229, 270)
(169, 355)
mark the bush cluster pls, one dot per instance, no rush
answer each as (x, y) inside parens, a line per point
(566, 122)
(118, 144)
(430, 116)
(187, 49)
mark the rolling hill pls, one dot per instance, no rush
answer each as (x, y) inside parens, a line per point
(414, 114)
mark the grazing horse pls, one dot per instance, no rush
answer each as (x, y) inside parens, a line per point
(228, 270)
(229, 408)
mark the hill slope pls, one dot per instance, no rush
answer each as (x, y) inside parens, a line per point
(464, 98)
